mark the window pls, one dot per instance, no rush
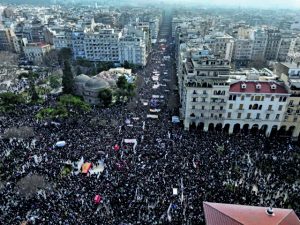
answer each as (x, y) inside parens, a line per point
(257, 98)
(262, 98)
(255, 106)
(194, 99)
(295, 119)
(213, 108)
(203, 107)
(230, 106)
(250, 106)
(258, 116)
(270, 108)
(220, 115)
(193, 107)
(280, 108)
(291, 102)
(241, 106)
(252, 98)
(221, 107)
(194, 92)
(242, 97)
(234, 98)
(212, 115)
(260, 107)
(272, 98)
(248, 115)
(277, 116)
(229, 115)
(267, 116)
(204, 92)
(239, 115)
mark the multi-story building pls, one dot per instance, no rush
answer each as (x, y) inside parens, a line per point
(220, 44)
(242, 52)
(102, 45)
(62, 40)
(78, 44)
(36, 51)
(6, 43)
(255, 105)
(286, 44)
(259, 38)
(290, 73)
(144, 27)
(133, 50)
(273, 43)
(203, 87)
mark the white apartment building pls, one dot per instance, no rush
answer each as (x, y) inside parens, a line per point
(242, 51)
(286, 45)
(78, 44)
(62, 40)
(255, 105)
(133, 50)
(260, 39)
(203, 87)
(154, 28)
(221, 45)
(36, 51)
(274, 37)
(102, 45)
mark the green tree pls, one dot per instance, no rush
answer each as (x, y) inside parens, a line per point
(105, 96)
(126, 64)
(54, 81)
(9, 100)
(122, 82)
(104, 66)
(33, 93)
(67, 79)
(74, 102)
(65, 54)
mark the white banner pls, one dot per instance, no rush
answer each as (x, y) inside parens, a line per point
(152, 116)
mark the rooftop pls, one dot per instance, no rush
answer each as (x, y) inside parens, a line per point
(258, 87)
(223, 214)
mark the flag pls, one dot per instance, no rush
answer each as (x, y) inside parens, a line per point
(86, 167)
(168, 213)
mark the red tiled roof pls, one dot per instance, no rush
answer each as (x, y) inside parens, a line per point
(223, 214)
(251, 87)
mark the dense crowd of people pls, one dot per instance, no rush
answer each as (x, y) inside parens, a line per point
(138, 181)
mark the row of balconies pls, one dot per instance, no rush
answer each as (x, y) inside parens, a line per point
(209, 110)
(207, 118)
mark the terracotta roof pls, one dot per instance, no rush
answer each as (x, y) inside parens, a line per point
(223, 214)
(265, 87)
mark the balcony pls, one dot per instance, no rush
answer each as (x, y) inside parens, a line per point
(218, 102)
(217, 110)
(216, 118)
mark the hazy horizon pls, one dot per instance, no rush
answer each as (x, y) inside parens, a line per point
(287, 4)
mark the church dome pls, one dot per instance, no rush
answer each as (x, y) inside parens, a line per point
(96, 83)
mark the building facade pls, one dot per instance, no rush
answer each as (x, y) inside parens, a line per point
(132, 50)
(36, 51)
